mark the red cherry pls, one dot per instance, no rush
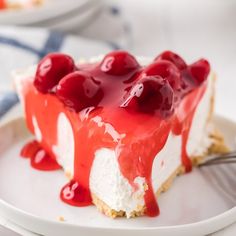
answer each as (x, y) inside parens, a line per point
(172, 57)
(119, 63)
(78, 90)
(195, 75)
(151, 94)
(166, 70)
(51, 69)
(200, 70)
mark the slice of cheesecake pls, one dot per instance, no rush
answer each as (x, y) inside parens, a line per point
(121, 128)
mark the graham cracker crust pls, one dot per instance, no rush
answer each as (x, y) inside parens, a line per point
(106, 210)
(218, 147)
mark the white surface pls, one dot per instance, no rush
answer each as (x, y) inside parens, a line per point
(197, 197)
(6, 225)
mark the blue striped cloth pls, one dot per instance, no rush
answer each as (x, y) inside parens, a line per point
(7, 101)
(21, 47)
(53, 43)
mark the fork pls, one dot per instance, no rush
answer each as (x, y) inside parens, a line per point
(222, 159)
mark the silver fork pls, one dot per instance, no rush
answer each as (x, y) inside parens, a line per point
(222, 174)
(222, 159)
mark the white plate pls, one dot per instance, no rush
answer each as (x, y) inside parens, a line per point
(53, 12)
(199, 203)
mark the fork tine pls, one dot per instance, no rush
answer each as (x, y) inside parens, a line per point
(222, 182)
(217, 162)
(222, 159)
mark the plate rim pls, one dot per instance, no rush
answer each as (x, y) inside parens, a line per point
(231, 213)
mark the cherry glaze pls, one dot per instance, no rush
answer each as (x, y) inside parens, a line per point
(137, 124)
(172, 57)
(166, 70)
(39, 158)
(30, 149)
(151, 94)
(119, 63)
(75, 194)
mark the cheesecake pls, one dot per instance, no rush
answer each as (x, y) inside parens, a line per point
(121, 127)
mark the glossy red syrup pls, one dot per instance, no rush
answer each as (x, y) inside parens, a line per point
(75, 194)
(30, 149)
(39, 159)
(141, 127)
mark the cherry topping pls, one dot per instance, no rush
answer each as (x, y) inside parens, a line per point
(78, 90)
(172, 57)
(195, 74)
(119, 63)
(151, 94)
(51, 69)
(75, 194)
(166, 70)
(200, 70)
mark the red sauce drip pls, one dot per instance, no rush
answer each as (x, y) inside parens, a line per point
(151, 203)
(183, 120)
(39, 158)
(30, 149)
(42, 161)
(136, 149)
(75, 194)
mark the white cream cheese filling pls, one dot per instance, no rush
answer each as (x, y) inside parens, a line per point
(65, 148)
